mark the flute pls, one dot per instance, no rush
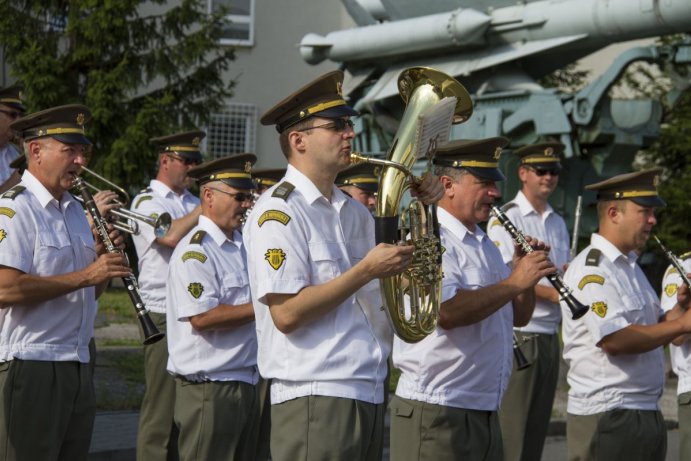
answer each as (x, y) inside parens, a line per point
(151, 333)
(576, 224)
(577, 308)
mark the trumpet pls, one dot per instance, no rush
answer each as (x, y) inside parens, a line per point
(128, 220)
(577, 308)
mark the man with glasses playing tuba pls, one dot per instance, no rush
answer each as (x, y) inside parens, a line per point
(167, 193)
(527, 405)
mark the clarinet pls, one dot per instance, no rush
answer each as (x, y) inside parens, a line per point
(151, 333)
(578, 309)
(576, 223)
(521, 360)
(675, 262)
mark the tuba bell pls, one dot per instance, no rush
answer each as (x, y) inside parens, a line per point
(421, 88)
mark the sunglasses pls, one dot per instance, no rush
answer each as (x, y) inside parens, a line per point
(544, 172)
(13, 114)
(186, 161)
(238, 196)
(338, 125)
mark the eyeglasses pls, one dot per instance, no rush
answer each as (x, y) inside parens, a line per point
(338, 125)
(186, 161)
(13, 114)
(238, 196)
(544, 172)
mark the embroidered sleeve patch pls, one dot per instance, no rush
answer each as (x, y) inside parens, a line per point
(275, 257)
(497, 243)
(143, 198)
(670, 289)
(9, 212)
(600, 308)
(670, 271)
(495, 222)
(273, 215)
(196, 289)
(3, 234)
(201, 257)
(592, 278)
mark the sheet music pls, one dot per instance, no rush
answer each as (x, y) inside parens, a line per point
(434, 127)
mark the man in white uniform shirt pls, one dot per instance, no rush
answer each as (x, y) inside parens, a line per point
(157, 435)
(615, 352)
(211, 335)
(681, 356)
(50, 277)
(527, 405)
(323, 337)
(11, 108)
(452, 382)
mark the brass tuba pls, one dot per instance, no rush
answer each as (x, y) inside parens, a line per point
(420, 88)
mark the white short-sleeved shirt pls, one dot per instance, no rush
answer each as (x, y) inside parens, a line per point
(153, 257)
(619, 295)
(42, 236)
(681, 355)
(205, 271)
(551, 229)
(300, 241)
(465, 367)
(8, 153)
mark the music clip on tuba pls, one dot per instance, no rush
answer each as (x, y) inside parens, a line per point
(577, 308)
(421, 88)
(151, 333)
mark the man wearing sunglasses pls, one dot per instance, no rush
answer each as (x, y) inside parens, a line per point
(323, 338)
(211, 334)
(527, 404)
(11, 108)
(177, 154)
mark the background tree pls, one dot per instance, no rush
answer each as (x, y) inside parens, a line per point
(144, 69)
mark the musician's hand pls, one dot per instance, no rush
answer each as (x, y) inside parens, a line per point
(106, 267)
(684, 296)
(106, 200)
(537, 245)
(429, 191)
(529, 269)
(385, 260)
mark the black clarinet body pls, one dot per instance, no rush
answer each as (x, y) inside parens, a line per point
(151, 333)
(577, 308)
(521, 361)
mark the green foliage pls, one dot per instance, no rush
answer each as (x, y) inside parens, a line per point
(115, 304)
(144, 68)
(568, 79)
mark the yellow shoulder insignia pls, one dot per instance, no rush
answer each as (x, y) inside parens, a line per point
(273, 215)
(201, 257)
(3, 234)
(275, 257)
(670, 271)
(9, 212)
(592, 278)
(600, 308)
(495, 222)
(671, 289)
(198, 237)
(13, 192)
(141, 199)
(685, 255)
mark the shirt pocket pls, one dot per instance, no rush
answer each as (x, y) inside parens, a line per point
(635, 312)
(325, 260)
(54, 252)
(87, 248)
(474, 278)
(235, 288)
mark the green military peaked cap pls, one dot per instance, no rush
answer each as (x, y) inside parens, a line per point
(185, 144)
(479, 156)
(233, 170)
(639, 187)
(64, 123)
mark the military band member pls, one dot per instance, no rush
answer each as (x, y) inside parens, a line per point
(527, 405)
(211, 335)
(615, 352)
(51, 272)
(451, 383)
(360, 182)
(11, 108)
(323, 339)
(681, 356)
(157, 435)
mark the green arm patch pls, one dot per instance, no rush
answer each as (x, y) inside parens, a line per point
(196, 289)
(201, 257)
(9, 212)
(141, 199)
(274, 215)
(591, 279)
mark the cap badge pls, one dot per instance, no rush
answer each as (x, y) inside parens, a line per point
(248, 167)
(80, 118)
(377, 170)
(20, 95)
(549, 152)
(339, 88)
(656, 180)
(196, 141)
(497, 153)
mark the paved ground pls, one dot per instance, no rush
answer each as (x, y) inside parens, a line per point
(115, 432)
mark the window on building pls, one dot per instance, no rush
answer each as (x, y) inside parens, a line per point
(232, 131)
(239, 29)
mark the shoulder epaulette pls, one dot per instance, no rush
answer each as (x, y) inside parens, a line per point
(593, 257)
(146, 190)
(141, 199)
(685, 255)
(12, 193)
(198, 237)
(508, 206)
(283, 190)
